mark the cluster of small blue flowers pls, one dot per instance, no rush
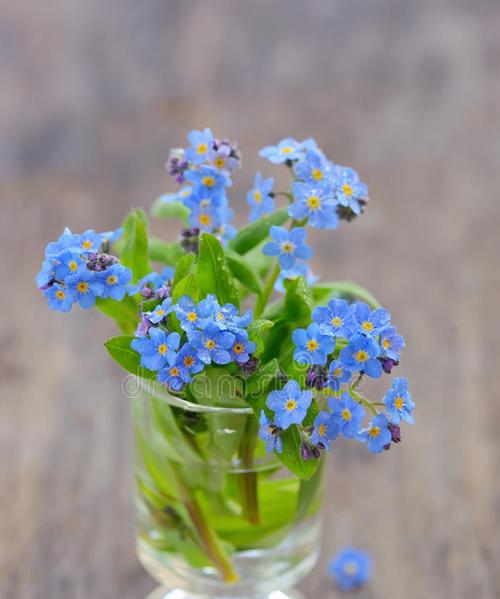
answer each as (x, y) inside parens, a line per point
(212, 334)
(77, 269)
(204, 169)
(344, 342)
(323, 192)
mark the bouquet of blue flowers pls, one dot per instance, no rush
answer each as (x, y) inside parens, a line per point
(240, 310)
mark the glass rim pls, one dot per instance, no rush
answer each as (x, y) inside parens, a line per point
(152, 388)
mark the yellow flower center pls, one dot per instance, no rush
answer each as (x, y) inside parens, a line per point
(186, 193)
(317, 174)
(338, 371)
(86, 244)
(313, 202)
(202, 148)
(286, 150)
(208, 181)
(322, 428)
(188, 361)
(174, 371)
(346, 414)
(219, 162)
(350, 568)
(337, 321)
(386, 344)
(192, 316)
(374, 431)
(112, 280)
(83, 286)
(60, 294)
(220, 316)
(347, 189)
(160, 312)
(210, 344)
(399, 402)
(312, 345)
(291, 405)
(368, 326)
(287, 247)
(205, 219)
(361, 356)
(238, 348)
(257, 196)
(162, 349)
(73, 266)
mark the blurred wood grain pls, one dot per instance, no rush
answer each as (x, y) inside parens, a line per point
(92, 96)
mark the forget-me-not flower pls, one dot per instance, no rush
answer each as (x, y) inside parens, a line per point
(289, 405)
(287, 245)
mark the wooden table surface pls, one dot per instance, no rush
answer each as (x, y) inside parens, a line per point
(92, 96)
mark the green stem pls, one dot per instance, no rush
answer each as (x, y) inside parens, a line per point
(248, 479)
(267, 291)
(366, 402)
(209, 541)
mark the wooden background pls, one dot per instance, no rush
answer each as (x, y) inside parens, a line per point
(92, 95)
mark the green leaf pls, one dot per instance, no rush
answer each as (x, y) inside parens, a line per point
(121, 352)
(212, 271)
(135, 250)
(216, 386)
(186, 286)
(164, 207)
(251, 235)
(243, 271)
(183, 268)
(257, 332)
(298, 301)
(125, 313)
(166, 253)
(344, 289)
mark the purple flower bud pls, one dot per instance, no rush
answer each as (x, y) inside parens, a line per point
(249, 367)
(164, 291)
(309, 452)
(388, 364)
(316, 377)
(143, 327)
(395, 432)
(177, 165)
(147, 292)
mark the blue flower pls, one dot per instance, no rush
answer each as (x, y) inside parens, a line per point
(187, 362)
(290, 404)
(67, 263)
(171, 377)
(65, 241)
(351, 569)
(348, 188)
(112, 236)
(161, 311)
(348, 415)
(288, 245)
(59, 298)
(228, 316)
(299, 269)
(336, 319)
(360, 354)
(286, 149)
(242, 348)
(210, 216)
(212, 344)
(85, 287)
(325, 430)
(312, 346)
(315, 202)
(152, 281)
(398, 402)
(391, 343)
(201, 145)
(338, 373)
(270, 433)
(314, 169)
(259, 197)
(158, 349)
(90, 241)
(115, 281)
(222, 159)
(378, 434)
(370, 322)
(191, 315)
(207, 181)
